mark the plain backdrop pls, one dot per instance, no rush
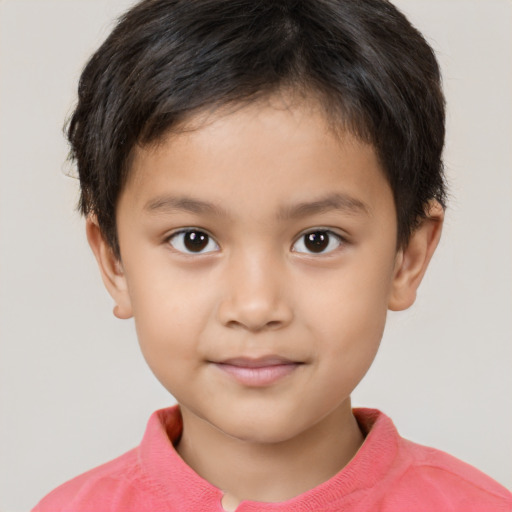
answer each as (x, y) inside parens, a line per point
(74, 389)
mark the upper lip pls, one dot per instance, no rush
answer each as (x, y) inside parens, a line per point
(257, 362)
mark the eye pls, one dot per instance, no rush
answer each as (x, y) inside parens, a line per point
(193, 241)
(318, 241)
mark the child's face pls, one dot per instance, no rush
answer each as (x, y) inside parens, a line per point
(263, 318)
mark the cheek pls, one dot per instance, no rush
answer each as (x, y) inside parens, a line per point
(349, 344)
(170, 313)
(349, 310)
(168, 333)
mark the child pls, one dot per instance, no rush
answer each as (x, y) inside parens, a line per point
(262, 181)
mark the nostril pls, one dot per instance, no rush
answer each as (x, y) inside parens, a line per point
(257, 307)
(273, 324)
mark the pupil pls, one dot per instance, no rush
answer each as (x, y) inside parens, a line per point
(317, 241)
(195, 241)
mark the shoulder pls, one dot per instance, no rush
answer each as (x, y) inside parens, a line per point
(419, 478)
(145, 479)
(104, 488)
(430, 479)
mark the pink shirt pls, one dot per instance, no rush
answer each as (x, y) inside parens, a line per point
(388, 474)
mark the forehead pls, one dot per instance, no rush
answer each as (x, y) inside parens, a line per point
(271, 152)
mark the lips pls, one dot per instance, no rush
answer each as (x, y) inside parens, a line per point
(259, 372)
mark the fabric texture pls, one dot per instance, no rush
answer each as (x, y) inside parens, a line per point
(388, 474)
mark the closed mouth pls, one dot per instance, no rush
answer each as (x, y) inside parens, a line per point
(258, 372)
(259, 362)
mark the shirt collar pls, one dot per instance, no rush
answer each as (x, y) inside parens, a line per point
(184, 489)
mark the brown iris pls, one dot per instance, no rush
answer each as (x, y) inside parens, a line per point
(317, 241)
(195, 241)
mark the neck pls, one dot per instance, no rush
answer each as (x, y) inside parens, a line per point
(270, 472)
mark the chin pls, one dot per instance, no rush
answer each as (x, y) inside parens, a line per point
(259, 429)
(259, 436)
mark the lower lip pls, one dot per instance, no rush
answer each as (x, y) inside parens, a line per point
(260, 376)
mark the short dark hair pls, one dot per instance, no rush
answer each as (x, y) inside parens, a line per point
(168, 59)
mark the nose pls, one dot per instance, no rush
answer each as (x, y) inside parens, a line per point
(255, 294)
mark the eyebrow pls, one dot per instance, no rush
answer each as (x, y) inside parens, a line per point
(170, 204)
(335, 201)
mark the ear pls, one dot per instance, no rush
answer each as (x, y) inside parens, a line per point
(413, 260)
(111, 269)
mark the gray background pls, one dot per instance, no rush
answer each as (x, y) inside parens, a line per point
(74, 390)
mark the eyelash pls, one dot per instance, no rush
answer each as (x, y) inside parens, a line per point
(327, 234)
(318, 236)
(182, 242)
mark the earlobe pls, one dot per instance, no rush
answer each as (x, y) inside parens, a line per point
(413, 260)
(111, 269)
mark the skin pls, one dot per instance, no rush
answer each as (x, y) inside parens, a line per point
(254, 181)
